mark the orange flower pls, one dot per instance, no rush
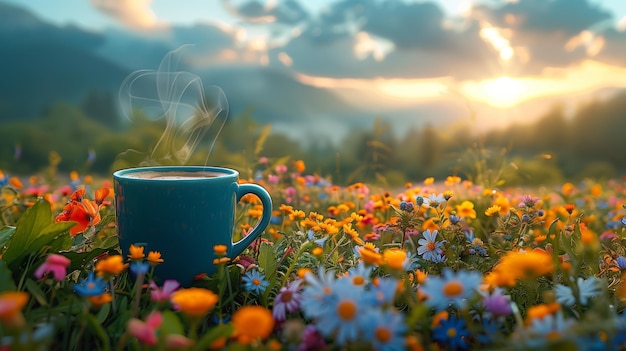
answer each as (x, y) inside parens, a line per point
(194, 302)
(84, 212)
(100, 300)
(429, 181)
(370, 255)
(451, 180)
(520, 265)
(300, 167)
(11, 304)
(252, 323)
(136, 253)
(101, 194)
(154, 257)
(220, 250)
(16, 182)
(394, 258)
(111, 265)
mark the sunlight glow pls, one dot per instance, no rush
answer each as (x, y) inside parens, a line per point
(410, 89)
(505, 92)
(592, 43)
(497, 38)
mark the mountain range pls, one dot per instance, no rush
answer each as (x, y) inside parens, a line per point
(44, 63)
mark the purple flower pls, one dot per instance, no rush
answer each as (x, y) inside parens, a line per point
(287, 301)
(162, 294)
(498, 304)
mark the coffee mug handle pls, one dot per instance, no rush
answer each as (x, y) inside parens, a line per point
(266, 200)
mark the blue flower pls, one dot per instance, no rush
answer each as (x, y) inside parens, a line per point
(386, 330)
(453, 288)
(360, 275)
(587, 288)
(430, 249)
(90, 286)
(254, 281)
(624, 221)
(452, 333)
(318, 292)
(346, 315)
(621, 262)
(139, 268)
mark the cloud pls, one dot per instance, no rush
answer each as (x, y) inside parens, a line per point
(542, 33)
(288, 12)
(132, 13)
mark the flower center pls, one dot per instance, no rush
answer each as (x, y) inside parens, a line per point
(453, 288)
(286, 296)
(383, 334)
(431, 246)
(346, 309)
(451, 332)
(358, 280)
(256, 282)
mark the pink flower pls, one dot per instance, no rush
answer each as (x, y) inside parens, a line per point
(273, 179)
(163, 294)
(177, 342)
(55, 264)
(145, 332)
(281, 169)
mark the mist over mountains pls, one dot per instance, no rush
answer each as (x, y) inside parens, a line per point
(44, 63)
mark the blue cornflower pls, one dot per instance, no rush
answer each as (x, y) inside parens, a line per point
(90, 286)
(311, 236)
(587, 288)
(624, 221)
(451, 288)
(254, 281)
(454, 219)
(430, 249)
(139, 268)
(452, 333)
(386, 330)
(345, 316)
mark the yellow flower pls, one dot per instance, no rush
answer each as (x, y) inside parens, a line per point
(495, 209)
(347, 228)
(451, 180)
(11, 304)
(136, 253)
(317, 251)
(112, 265)
(466, 210)
(430, 224)
(194, 302)
(252, 323)
(429, 180)
(503, 203)
(154, 257)
(394, 258)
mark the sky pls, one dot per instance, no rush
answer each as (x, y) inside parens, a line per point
(501, 59)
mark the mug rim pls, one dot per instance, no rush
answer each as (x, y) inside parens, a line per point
(221, 172)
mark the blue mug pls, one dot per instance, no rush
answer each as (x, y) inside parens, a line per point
(183, 212)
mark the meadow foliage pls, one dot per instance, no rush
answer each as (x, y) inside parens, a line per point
(443, 264)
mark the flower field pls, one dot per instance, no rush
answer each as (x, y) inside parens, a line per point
(443, 264)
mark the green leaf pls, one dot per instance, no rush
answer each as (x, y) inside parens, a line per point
(267, 261)
(6, 278)
(5, 235)
(28, 229)
(103, 313)
(171, 323)
(94, 326)
(80, 260)
(34, 289)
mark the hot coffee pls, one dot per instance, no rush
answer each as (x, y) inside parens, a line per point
(173, 175)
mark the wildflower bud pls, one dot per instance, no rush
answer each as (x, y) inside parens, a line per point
(525, 218)
(454, 219)
(540, 213)
(419, 201)
(406, 206)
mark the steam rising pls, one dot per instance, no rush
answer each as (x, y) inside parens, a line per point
(178, 97)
